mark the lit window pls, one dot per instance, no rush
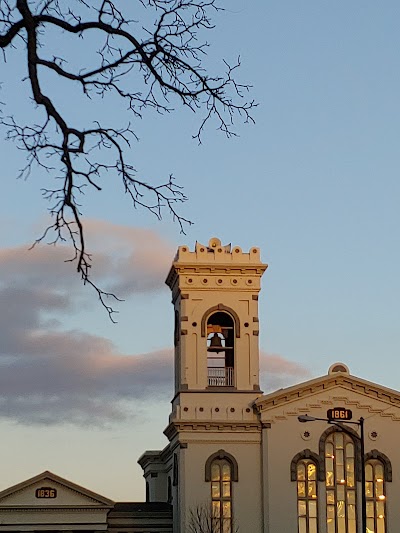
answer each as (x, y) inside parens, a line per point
(307, 505)
(221, 496)
(375, 496)
(340, 483)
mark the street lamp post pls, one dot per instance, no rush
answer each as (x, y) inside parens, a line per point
(360, 438)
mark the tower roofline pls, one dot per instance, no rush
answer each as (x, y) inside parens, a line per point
(215, 257)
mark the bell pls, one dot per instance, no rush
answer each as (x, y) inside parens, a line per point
(215, 344)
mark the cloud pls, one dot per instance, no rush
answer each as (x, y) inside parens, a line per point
(50, 375)
(276, 372)
(82, 388)
(126, 260)
(138, 259)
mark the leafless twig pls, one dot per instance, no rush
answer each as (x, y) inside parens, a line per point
(146, 67)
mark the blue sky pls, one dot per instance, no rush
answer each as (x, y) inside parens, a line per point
(314, 183)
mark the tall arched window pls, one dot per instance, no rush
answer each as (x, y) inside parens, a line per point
(307, 496)
(340, 483)
(221, 469)
(375, 495)
(307, 469)
(220, 349)
(221, 496)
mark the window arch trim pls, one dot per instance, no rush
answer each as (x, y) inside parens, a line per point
(222, 454)
(357, 447)
(224, 308)
(308, 454)
(384, 459)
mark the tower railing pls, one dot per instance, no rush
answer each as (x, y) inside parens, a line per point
(221, 377)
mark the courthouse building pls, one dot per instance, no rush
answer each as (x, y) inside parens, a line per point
(237, 459)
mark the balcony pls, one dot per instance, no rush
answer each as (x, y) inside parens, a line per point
(221, 377)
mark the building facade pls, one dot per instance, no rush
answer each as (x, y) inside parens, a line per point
(242, 459)
(238, 460)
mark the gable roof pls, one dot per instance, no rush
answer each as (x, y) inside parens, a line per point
(47, 475)
(326, 383)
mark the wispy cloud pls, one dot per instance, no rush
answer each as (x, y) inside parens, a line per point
(82, 387)
(50, 375)
(277, 372)
(126, 260)
(137, 259)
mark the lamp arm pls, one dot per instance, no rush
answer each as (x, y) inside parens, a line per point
(346, 430)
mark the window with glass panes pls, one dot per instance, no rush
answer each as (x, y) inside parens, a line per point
(375, 496)
(340, 483)
(221, 496)
(307, 505)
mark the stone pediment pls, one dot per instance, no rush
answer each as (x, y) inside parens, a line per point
(330, 388)
(47, 490)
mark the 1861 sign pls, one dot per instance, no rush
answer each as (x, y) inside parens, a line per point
(339, 413)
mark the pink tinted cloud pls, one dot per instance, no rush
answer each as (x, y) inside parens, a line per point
(83, 388)
(126, 260)
(49, 375)
(52, 376)
(137, 259)
(277, 371)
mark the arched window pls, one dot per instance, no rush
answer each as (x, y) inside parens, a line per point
(221, 496)
(307, 496)
(220, 349)
(221, 470)
(375, 493)
(307, 469)
(340, 481)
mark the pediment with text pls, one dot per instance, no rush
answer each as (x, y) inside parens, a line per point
(339, 389)
(48, 489)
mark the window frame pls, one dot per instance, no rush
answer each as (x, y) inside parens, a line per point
(343, 482)
(221, 457)
(310, 457)
(221, 496)
(307, 522)
(376, 498)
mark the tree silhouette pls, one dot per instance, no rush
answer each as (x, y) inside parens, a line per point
(201, 520)
(156, 62)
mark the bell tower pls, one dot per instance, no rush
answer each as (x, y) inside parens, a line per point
(214, 452)
(212, 424)
(215, 295)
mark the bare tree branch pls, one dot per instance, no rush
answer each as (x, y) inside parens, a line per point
(145, 66)
(200, 519)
